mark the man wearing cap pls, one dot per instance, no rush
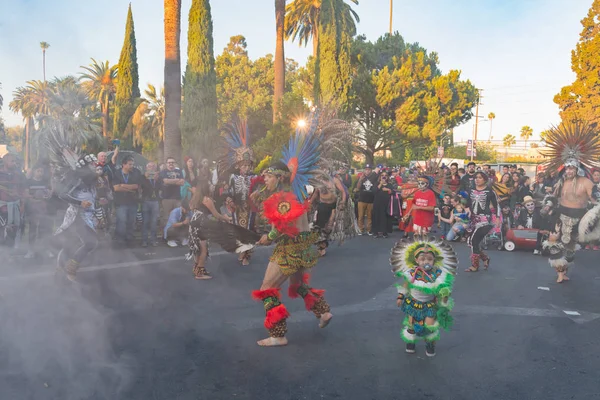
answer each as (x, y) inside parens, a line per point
(366, 195)
(467, 182)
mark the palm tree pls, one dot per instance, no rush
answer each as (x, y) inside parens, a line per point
(172, 12)
(491, 117)
(20, 104)
(508, 141)
(148, 121)
(526, 133)
(1, 99)
(544, 135)
(279, 57)
(44, 46)
(302, 20)
(99, 83)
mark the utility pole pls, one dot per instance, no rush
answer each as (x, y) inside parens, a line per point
(391, 9)
(473, 145)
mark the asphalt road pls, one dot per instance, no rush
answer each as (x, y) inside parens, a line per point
(138, 326)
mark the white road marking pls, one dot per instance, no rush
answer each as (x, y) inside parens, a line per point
(544, 288)
(128, 264)
(571, 312)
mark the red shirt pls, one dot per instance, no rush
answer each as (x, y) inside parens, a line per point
(424, 199)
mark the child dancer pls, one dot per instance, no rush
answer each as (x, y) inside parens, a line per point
(427, 267)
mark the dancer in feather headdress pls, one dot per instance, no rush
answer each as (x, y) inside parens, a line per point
(427, 267)
(240, 160)
(283, 203)
(335, 217)
(74, 180)
(574, 153)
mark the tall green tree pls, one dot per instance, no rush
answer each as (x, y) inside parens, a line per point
(580, 101)
(199, 117)
(400, 97)
(508, 141)
(127, 90)
(302, 20)
(526, 133)
(99, 81)
(279, 87)
(172, 11)
(333, 69)
(148, 123)
(245, 87)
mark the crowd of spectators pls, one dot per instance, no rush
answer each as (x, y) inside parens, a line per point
(154, 200)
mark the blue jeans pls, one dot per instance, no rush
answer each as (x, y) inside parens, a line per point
(150, 210)
(452, 234)
(445, 228)
(125, 221)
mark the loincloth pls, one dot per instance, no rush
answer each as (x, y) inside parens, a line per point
(295, 254)
(569, 222)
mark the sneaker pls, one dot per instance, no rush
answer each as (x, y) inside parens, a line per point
(30, 254)
(144, 244)
(430, 349)
(536, 252)
(185, 242)
(360, 233)
(172, 243)
(370, 233)
(410, 348)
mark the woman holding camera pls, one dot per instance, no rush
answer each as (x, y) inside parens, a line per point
(382, 223)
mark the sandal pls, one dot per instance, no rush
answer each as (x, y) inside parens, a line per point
(472, 269)
(486, 263)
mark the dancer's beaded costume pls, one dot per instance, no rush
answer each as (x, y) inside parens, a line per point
(572, 145)
(425, 289)
(285, 209)
(74, 180)
(240, 159)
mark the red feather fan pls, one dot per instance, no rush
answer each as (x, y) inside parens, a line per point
(282, 209)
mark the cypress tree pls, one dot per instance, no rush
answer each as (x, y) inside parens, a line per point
(128, 91)
(199, 116)
(332, 69)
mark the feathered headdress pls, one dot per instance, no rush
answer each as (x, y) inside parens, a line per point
(65, 155)
(302, 155)
(238, 149)
(405, 252)
(572, 145)
(434, 175)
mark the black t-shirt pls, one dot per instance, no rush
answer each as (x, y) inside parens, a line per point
(446, 211)
(367, 187)
(151, 188)
(467, 182)
(171, 192)
(126, 198)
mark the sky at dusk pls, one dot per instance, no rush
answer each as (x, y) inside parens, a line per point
(517, 51)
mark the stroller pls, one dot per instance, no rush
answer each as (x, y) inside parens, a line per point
(494, 238)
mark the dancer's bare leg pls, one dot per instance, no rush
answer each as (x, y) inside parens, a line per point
(273, 280)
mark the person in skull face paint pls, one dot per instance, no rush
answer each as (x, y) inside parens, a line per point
(529, 217)
(485, 214)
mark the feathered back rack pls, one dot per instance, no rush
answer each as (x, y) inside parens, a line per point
(63, 155)
(301, 156)
(236, 145)
(434, 173)
(578, 142)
